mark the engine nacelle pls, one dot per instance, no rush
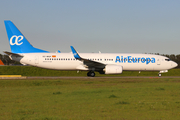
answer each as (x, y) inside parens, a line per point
(113, 69)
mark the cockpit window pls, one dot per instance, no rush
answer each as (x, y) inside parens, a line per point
(167, 60)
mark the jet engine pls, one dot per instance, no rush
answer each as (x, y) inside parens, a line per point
(113, 69)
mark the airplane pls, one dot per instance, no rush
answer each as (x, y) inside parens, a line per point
(1, 63)
(104, 63)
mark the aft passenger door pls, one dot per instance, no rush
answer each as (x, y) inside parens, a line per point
(36, 59)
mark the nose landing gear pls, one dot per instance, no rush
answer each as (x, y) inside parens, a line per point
(162, 71)
(159, 74)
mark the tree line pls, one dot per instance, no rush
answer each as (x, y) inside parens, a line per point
(7, 61)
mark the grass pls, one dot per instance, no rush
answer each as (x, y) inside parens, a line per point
(34, 71)
(90, 98)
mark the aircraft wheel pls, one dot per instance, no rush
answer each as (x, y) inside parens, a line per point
(88, 74)
(159, 74)
(91, 74)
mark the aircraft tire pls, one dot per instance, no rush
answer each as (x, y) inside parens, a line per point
(159, 74)
(91, 74)
(88, 74)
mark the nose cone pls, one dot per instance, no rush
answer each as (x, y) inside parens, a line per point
(174, 64)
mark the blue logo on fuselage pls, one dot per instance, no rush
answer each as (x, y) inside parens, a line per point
(130, 59)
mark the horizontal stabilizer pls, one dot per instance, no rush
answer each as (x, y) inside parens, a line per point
(9, 53)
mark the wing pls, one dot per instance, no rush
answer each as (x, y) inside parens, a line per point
(89, 63)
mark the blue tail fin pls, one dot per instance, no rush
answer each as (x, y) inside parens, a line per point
(17, 41)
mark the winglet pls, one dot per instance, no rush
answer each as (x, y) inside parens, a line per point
(76, 55)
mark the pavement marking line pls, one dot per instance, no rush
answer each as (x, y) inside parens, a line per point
(10, 76)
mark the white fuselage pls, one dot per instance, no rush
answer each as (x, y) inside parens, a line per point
(66, 61)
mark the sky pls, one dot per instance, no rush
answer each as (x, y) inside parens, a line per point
(109, 26)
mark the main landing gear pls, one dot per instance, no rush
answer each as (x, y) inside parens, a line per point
(91, 74)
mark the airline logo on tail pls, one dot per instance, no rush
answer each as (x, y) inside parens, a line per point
(16, 40)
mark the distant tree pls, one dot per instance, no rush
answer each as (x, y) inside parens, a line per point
(172, 57)
(178, 60)
(156, 53)
(1, 57)
(6, 59)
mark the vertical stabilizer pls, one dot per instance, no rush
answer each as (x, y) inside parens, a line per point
(17, 41)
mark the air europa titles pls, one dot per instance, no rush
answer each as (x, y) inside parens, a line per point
(130, 59)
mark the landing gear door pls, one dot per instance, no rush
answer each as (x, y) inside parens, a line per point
(36, 60)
